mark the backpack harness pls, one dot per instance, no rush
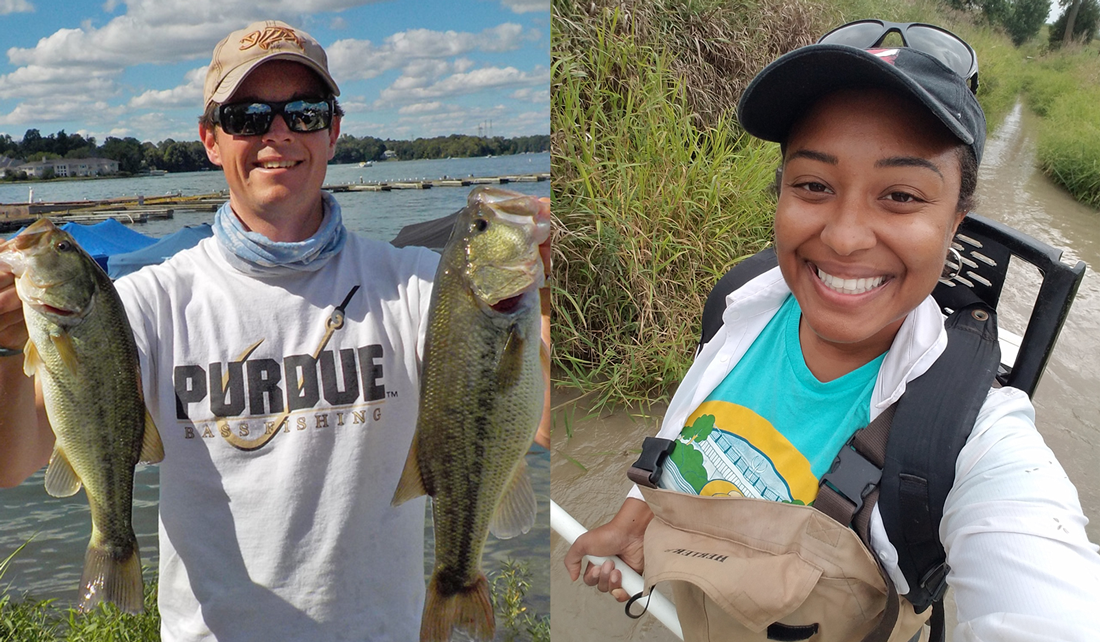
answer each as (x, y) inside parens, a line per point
(904, 460)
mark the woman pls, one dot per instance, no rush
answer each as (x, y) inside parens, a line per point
(880, 154)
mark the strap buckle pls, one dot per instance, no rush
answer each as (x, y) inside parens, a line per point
(935, 581)
(852, 475)
(647, 470)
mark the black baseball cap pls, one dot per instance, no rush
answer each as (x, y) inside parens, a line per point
(786, 88)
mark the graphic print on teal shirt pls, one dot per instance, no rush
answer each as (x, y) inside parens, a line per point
(770, 430)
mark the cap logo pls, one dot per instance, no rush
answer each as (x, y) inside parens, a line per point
(268, 37)
(887, 56)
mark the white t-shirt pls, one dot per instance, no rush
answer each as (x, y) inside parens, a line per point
(294, 540)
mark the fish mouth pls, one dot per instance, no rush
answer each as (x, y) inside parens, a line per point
(505, 306)
(47, 309)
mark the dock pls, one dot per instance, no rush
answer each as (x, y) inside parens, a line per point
(427, 183)
(137, 209)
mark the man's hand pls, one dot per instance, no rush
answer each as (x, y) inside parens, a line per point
(13, 330)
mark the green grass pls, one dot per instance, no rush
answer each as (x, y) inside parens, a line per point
(1064, 88)
(31, 620)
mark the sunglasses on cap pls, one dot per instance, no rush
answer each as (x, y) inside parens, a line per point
(255, 118)
(939, 43)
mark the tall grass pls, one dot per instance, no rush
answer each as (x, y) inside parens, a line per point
(655, 202)
(1064, 88)
(1069, 143)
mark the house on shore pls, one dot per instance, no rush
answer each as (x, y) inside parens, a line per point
(64, 167)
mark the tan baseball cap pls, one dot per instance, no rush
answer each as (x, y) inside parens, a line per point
(245, 49)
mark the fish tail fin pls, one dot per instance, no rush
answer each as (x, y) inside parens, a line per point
(470, 609)
(112, 574)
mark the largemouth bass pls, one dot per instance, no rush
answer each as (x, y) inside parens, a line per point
(82, 352)
(481, 398)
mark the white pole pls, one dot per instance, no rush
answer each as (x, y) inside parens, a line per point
(659, 606)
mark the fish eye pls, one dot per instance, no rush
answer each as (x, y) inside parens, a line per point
(481, 224)
(64, 246)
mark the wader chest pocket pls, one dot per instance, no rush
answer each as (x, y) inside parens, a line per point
(739, 566)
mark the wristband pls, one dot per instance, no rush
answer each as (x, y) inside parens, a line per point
(8, 352)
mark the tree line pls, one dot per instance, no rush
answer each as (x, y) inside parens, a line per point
(135, 157)
(1022, 19)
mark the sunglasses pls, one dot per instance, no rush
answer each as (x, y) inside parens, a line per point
(255, 118)
(943, 45)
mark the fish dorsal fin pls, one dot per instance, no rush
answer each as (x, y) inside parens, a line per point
(61, 479)
(152, 449)
(516, 513)
(411, 484)
(31, 359)
(63, 343)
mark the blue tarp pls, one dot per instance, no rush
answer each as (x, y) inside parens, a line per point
(107, 238)
(123, 264)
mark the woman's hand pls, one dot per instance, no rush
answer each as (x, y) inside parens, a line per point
(622, 536)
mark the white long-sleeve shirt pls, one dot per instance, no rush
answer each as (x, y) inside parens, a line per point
(1022, 567)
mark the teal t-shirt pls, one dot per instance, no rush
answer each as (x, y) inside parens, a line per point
(770, 429)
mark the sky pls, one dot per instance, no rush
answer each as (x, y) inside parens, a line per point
(406, 68)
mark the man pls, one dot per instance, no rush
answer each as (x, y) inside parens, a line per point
(280, 363)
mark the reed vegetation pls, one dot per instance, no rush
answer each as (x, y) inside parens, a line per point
(657, 188)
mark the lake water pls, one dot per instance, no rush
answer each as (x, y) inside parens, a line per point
(58, 529)
(378, 215)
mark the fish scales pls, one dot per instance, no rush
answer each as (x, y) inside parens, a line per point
(482, 393)
(82, 352)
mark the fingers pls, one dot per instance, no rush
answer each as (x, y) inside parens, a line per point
(607, 579)
(13, 331)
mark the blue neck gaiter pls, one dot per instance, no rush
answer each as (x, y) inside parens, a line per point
(256, 254)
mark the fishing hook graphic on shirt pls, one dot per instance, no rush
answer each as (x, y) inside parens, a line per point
(332, 324)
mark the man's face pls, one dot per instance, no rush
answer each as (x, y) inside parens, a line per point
(866, 212)
(275, 178)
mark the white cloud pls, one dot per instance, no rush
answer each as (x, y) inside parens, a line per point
(37, 82)
(15, 6)
(532, 95)
(421, 108)
(526, 6)
(459, 84)
(361, 59)
(186, 95)
(37, 112)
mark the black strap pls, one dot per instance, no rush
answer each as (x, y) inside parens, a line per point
(933, 420)
(739, 275)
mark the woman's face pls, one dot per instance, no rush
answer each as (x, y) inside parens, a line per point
(865, 217)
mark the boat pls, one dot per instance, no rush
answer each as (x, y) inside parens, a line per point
(366, 163)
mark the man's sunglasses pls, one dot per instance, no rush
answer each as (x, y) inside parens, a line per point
(943, 45)
(255, 118)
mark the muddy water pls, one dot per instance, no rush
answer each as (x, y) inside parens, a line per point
(588, 469)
